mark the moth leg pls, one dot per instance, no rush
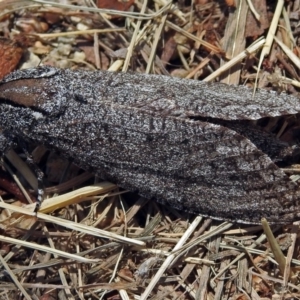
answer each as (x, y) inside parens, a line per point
(7, 142)
(39, 174)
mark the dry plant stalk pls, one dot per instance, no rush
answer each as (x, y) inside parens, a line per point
(99, 239)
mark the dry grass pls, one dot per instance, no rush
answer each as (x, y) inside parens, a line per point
(97, 244)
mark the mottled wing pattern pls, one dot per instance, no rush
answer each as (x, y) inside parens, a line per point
(135, 131)
(194, 166)
(161, 94)
(180, 97)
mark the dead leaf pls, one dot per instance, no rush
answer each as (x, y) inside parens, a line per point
(10, 55)
(254, 27)
(121, 5)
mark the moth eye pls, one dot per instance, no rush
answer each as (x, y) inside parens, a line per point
(79, 98)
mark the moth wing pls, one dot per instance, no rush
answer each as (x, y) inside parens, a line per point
(194, 166)
(158, 94)
(181, 97)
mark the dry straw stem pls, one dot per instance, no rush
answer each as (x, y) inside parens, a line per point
(157, 36)
(170, 258)
(11, 286)
(289, 53)
(253, 10)
(114, 274)
(238, 58)
(236, 259)
(288, 27)
(187, 34)
(254, 251)
(266, 277)
(279, 257)
(173, 9)
(47, 249)
(14, 278)
(133, 39)
(123, 294)
(17, 181)
(133, 15)
(76, 196)
(61, 272)
(160, 235)
(69, 184)
(79, 32)
(204, 237)
(234, 41)
(271, 34)
(74, 226)
(23, 168)
(202, 64)
(285, 79)
(272, 30)
(10, 6)
(193, 37)
(48, 264)
(196, 260)
(288, 273)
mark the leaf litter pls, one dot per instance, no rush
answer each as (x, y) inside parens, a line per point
(107, 236)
